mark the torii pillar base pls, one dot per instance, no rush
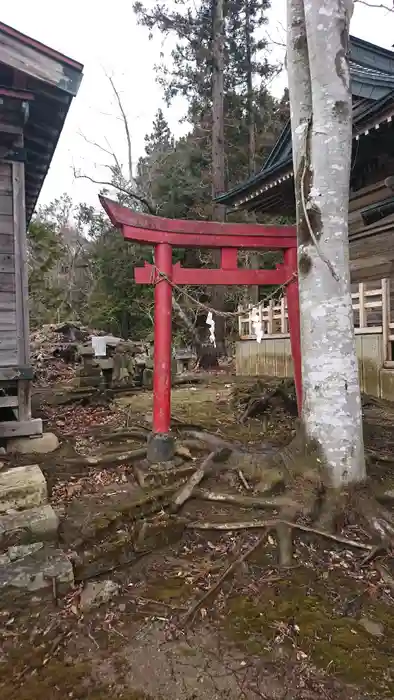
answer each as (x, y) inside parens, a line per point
(161, 448)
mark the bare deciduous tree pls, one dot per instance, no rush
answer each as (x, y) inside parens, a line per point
(321, 118)
(124, 183)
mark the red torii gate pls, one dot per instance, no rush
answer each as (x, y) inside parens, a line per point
(166, 234)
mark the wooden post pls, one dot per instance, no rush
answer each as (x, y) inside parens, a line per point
(283, 315)
(386, 319)
(21, 284)
(293, 311)
(361, 305)
(161, 446)
(270, 317)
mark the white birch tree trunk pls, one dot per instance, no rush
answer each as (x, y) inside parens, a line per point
(321, 117)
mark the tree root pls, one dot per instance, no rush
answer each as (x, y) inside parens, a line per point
(214, 441)
(258, 524)
(377, 519)
(379, 457)
(284, 538)
(186, 491)
(386, 577)
(213, 590)
(108, 459)
(246, 501)
(375, 552)
(135, 433)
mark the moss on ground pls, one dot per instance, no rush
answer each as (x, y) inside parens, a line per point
(332, 641)
(172, 589)
(25, 676)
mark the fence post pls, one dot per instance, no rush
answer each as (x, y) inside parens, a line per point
(361, 304)
(385, 318)
(240, 308)
(282, 316)
(270, 317)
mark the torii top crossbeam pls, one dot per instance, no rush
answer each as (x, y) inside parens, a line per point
(181, 233)
(166, 234)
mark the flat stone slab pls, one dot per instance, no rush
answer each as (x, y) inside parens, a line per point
(22, 487)
(46, 569)
(26, 526)
(88, 518)
(41, 445)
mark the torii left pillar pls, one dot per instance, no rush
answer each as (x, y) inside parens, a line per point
(166, 234)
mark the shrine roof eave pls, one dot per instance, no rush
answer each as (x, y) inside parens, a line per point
(258, 193)
(150, 230)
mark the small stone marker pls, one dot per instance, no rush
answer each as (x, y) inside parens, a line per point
(45, 569)
(34, 524)
(43, 444)
(97, 592)
(374, 628)
(22, 487)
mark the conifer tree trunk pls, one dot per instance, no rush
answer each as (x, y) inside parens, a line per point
(218, 157)
(321, 118)
(249, 92)
(253, 292)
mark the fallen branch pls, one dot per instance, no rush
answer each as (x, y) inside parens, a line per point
(186, 491)
(139, 476)
(375, 552)
(187, 379)
(380, 457)
(216, 586)
(284, 536)
(258, 524)
(243, 481)
(386, 576)
(257, 405)
(246, 501)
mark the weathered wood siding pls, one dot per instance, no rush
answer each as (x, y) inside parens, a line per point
(371, 246)
(272, 357)
(8, 303)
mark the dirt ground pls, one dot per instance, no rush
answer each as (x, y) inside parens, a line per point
(323, 628)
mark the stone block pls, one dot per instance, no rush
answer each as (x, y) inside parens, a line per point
(48, 569)
(97, 592)
(161, 448)
(22, 487)
(147, 378)
(86, 351)
(106, 364)
(44, 444)
(33, 525)
(20, 551)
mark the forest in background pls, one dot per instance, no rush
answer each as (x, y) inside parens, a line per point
(80, 268)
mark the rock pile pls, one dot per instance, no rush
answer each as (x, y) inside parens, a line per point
(53, 350)
(29, 561)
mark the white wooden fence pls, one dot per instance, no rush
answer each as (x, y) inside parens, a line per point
(371, 308)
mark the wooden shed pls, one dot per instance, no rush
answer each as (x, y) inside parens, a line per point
(37, 87)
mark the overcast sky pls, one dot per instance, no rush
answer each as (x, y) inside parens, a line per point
(104, 37)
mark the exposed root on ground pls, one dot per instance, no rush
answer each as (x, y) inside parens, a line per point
(214, 589)
(306, 504)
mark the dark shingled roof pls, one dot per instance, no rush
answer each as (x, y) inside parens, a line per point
(372, 83)
(52, 80)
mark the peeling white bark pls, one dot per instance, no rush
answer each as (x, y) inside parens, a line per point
(321, 116)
